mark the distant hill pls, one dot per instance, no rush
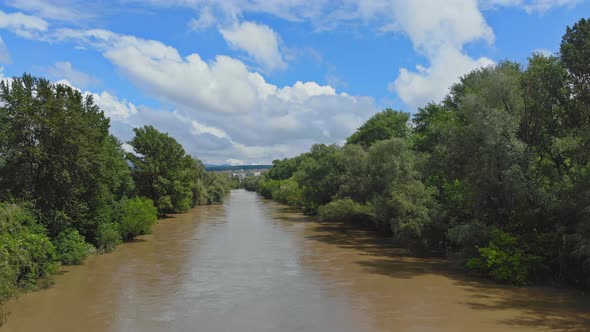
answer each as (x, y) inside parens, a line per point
(221, 168)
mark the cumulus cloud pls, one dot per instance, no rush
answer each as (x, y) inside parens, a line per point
(65, 70)
(205, 20)
(23, 25)
(4, 53)
(258, 40)
(219, 109)
(530, 6)
(416, 88)
(438, 30)
(117, 110)
(543, 51)
(63, 10)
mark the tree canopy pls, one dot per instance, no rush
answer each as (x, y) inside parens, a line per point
(497, 174)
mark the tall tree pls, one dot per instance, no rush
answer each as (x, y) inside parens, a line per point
(381, 126)
(52, 143)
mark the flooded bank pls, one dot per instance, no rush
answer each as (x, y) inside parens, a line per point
(252, 265)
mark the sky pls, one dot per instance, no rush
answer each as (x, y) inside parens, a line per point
(250, 81)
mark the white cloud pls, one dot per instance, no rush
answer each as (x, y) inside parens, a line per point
(63, 10)
(235, 162)
(543, 51)
(530, 6)
(21, 24)
(417, 88)
(117, 110)
(432, 24)
(65, 70)
(258, 40)
(221, 110)
(438, 30)
(4, 53)
(205, 20)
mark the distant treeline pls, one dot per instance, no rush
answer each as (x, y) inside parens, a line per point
(497, 175)
(222, 168)
(67, 188)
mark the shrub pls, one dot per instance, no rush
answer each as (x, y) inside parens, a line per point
(139, 215)
(71, 247)
(14, 218)
(288, 192)
(267, 187)
(31, 256)
(504, 260)
(108, 237)
(346, 210)
(26, 253)
(165, 205)
(7, 276)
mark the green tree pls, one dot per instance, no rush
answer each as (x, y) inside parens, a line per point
(159, 167)
(139, 215)
(57, 153)
(382, 126)
(71, 248)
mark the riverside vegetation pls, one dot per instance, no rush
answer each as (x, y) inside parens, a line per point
(67, 188)
(496, 176)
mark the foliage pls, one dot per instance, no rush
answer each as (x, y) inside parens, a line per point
(54, 143)
(71, 248)
(172, 179)
(504, 260)
(65, 181)
(251, 183)
(381, 126)
(346, 210)
(288, 192)
(26, 253)
(108, 236)
(317, 175)
(139, 215)
(498, 173)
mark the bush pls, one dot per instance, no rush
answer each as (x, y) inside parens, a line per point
(7, 277)
(503, 260)
(71, 247)
(250, 183)
(346, 210)
(288, 192)
(139, 215)
(26, 253)
(108, 237)
(14, 218)
(31, 256)
(164, 205)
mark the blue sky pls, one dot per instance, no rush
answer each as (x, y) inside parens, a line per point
(249, 81)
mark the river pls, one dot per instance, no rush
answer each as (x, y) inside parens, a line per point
(254, 265)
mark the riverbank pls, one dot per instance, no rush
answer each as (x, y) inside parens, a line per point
(254, 265)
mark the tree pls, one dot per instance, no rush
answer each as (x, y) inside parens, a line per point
(318, 176)
(139, 215)
(159, 164)
(53, 143)
(381, 126)
(575, 52)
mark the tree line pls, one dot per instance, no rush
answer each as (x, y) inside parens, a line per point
(495, 176)
(68, 188)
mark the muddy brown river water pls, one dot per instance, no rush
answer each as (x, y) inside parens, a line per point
(252, 265)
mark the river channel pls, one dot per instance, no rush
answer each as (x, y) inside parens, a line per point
(254, 265)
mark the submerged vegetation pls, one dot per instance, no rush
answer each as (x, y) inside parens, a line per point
(67, 186)
(496, 175)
